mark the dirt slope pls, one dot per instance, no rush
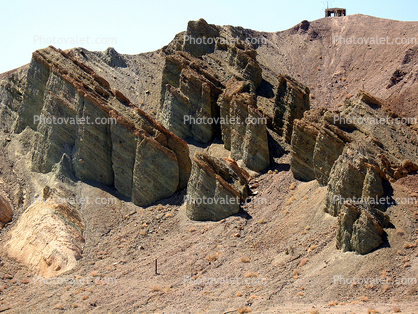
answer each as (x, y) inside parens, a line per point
(286, 245)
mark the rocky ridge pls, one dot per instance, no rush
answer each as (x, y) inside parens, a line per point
(355, 155)
(133, 147)
(138, 159)
(216, 188)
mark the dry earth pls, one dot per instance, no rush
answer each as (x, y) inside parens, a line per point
(284, 247)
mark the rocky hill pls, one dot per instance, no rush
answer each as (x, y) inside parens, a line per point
(145, 183)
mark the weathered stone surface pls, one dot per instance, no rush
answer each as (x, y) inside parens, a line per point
(360, 228)
(243, 131)
(198, 30)
(372, 142)
(224, 51)
(194, 76)
(192, 93)
(156, 173)
(302, 148)
(6, 210)
(216, 188)
(353, 152)
(12, 87)
(347, 151)
(346, 179)
(48, 237)
(292, 100)
(112, 58)
(99, 129)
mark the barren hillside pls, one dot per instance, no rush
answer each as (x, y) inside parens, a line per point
(143, 248)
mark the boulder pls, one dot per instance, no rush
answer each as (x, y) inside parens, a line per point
(216, 188)
(360, 228)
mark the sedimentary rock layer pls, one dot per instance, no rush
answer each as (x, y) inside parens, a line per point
(49, 235)
(354, 152)
(244, 130)
(216, 188)
(77, 113)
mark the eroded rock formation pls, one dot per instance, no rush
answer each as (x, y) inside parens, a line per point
(360, 228)
(213, 82)
(243, 130)
(216, 188)
(189, 90)
(108, 139)
(48, 236)
(353, 152)
(291, 101)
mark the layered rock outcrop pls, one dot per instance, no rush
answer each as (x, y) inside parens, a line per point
(12, 86)
(204, 86)
(244, 131)
(108, 139)
(192, 84)
(190, 91)
(291, 101)
(353, 152)
(48, 236)
(360, 228)
(216, 188)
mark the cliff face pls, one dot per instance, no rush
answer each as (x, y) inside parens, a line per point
(218, 87)
(107, 138)
(355, 152)
(216, 188)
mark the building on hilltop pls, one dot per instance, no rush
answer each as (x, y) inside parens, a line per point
(335, 12)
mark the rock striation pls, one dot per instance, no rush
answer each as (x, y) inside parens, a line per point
(244, 132)
(216, 188)
(206, 85)
(360, 228)
(291, 101)
(195, 75)
(48, 236)
(353, 152)
(189, 93)
(107, 138)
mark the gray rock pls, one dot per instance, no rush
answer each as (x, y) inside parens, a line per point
(216, 188)
(291, 101)
(244, 133)
(109, 151)
(360, 229)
